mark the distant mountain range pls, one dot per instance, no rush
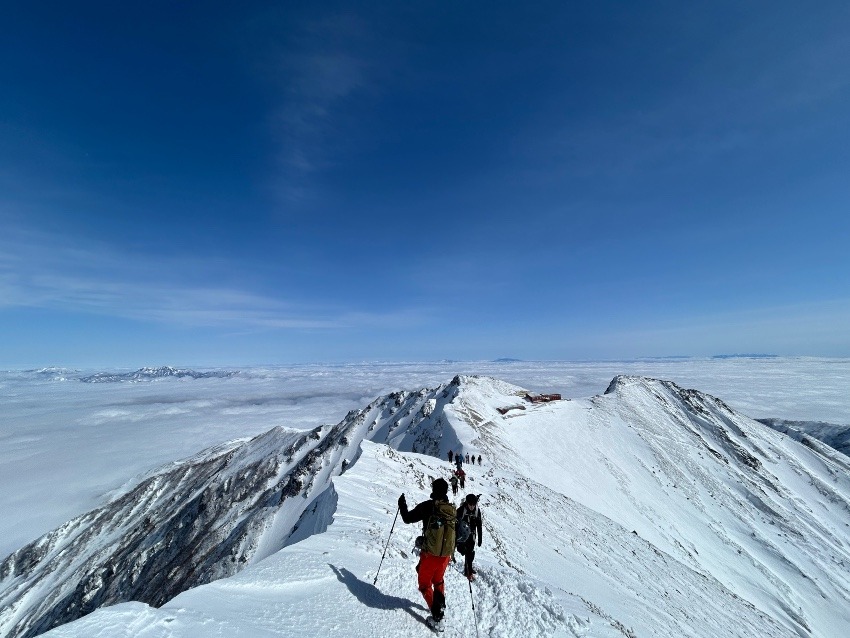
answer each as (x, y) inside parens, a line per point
(150, 374)
(745, 356)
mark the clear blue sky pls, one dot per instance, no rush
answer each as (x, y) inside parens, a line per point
(219, 183)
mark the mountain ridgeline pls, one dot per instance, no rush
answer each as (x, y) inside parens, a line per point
(151, 374)
(731, 507)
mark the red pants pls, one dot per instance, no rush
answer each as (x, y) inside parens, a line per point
(431, 570)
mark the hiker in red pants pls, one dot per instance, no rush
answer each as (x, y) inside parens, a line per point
(437, 545)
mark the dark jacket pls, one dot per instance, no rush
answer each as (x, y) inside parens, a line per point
(420, 513)
(473, 519)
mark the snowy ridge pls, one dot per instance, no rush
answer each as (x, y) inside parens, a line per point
(649, 510)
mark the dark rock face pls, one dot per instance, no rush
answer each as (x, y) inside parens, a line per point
(835, 436)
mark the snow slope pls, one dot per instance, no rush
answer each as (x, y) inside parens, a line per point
(648, 511)
(719, 493)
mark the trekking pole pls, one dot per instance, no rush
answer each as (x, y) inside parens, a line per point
(387, 545)
(474, 617)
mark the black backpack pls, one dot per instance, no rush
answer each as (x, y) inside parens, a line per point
(462, 532)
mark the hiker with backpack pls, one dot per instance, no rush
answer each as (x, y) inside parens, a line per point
(469, 514)
(461, 476)
(451, 454)
(437, 545)
(453, 481)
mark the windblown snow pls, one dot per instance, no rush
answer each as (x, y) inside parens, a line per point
(649, 510)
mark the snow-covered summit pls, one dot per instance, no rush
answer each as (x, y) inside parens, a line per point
(649, 510)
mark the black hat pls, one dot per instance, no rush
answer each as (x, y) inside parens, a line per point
(472, 499)
(439, 488)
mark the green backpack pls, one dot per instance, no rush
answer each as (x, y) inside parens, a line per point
(440, 530)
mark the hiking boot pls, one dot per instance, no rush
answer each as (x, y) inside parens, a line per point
(437, 625)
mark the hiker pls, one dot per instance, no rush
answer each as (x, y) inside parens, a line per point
(461, 476)
(450, 456)
(458, 460)
(467, 457)
(479, 459)
(473, 459)
(471, 514)
(437, 546)
(453, 481)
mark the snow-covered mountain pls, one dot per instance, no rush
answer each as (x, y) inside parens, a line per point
(202, 519)
(150, 374)
(647, 511)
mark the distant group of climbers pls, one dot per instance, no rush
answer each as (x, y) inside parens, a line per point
(458, 458)
(445, 530)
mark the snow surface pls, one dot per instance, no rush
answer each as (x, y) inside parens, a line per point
(647, 511)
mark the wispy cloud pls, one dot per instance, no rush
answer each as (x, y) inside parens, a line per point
(39, 270)
(804, 328)
(749, 91)
(321, 67)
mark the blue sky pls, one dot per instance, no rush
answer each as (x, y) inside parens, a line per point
(214, 184)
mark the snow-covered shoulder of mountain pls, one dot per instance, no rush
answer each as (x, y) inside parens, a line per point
(649, 510)
(151, 374)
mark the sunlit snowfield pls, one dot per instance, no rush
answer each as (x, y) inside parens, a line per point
(64, 444)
